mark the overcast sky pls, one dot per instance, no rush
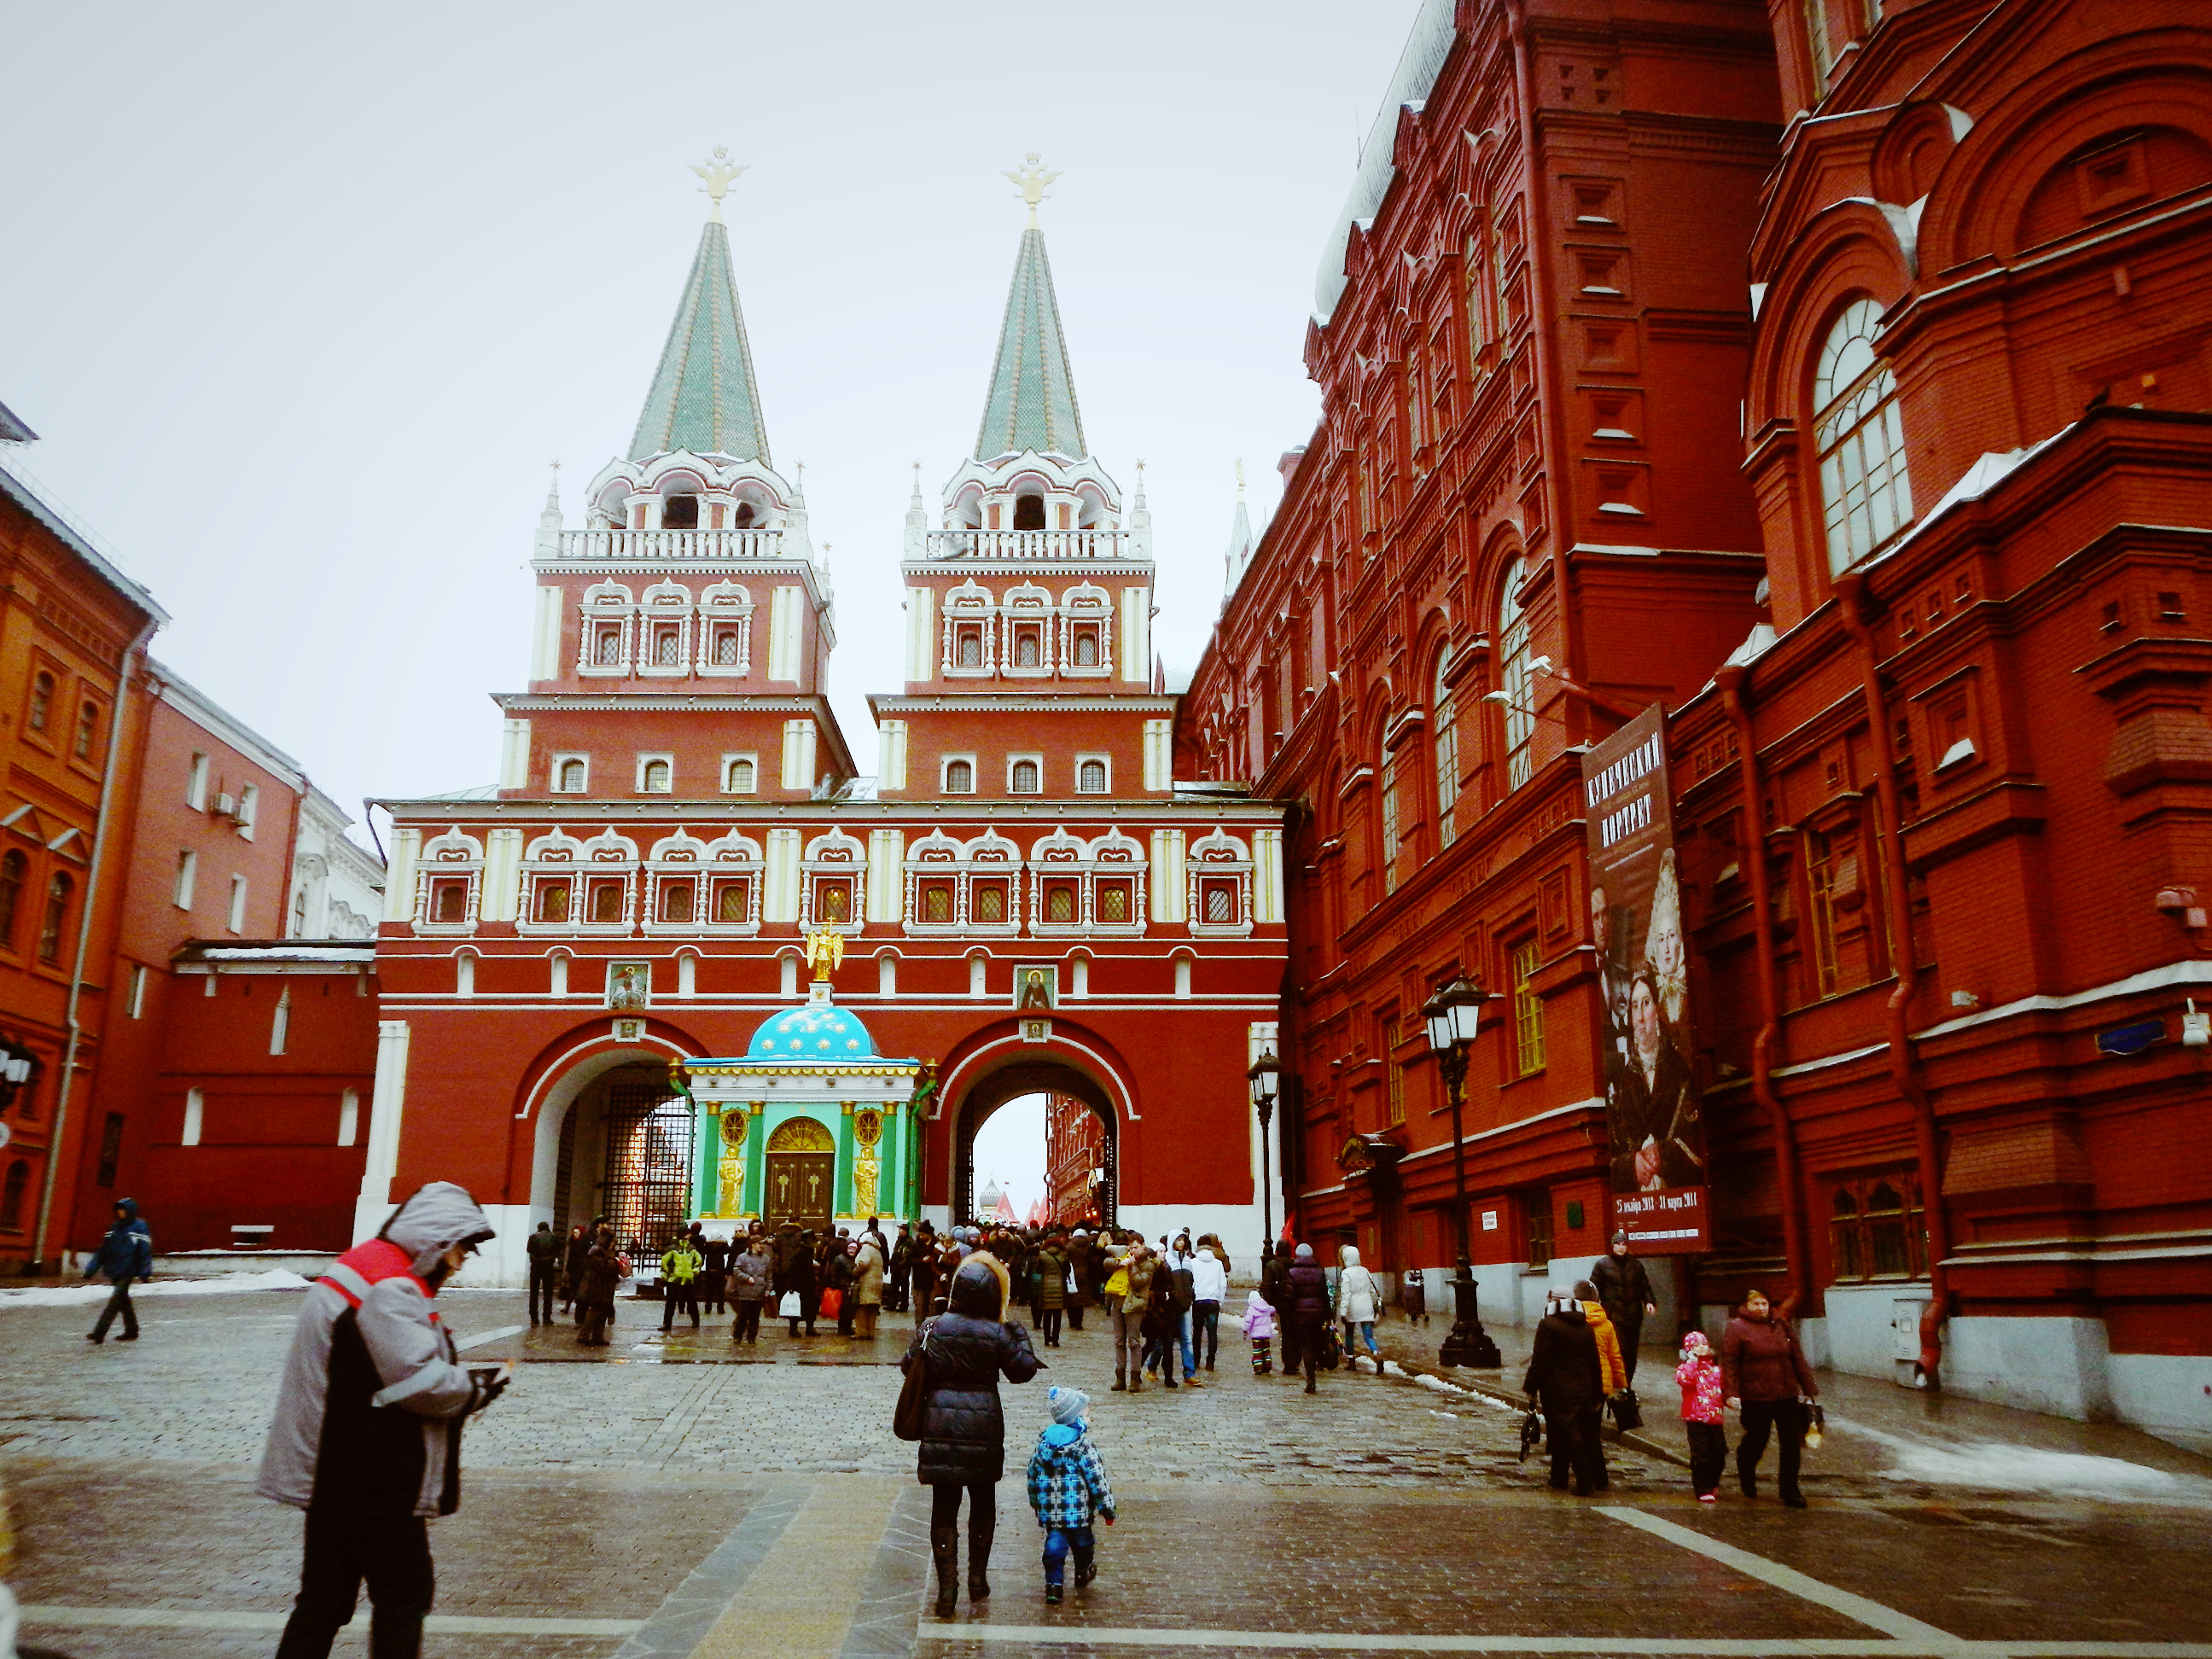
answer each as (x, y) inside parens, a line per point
(302, 299)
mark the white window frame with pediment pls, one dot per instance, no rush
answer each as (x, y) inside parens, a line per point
(679, 857)
(734, 854)
(1025, 606)
(557, 856)
(936, 854)
(1085, 603)
(1212, 857)
(726, 604)
(608, 854)
(1091, 759)
(834, 853)
(664, 604)
(970, 604)
(453, 855)
(1061, 855)
(988, 854)
(607, 602)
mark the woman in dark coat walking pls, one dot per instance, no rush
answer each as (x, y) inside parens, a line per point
(1623, 1289)
(801, 1276)
(1306, 1290)
(964, 1437)
(597, 1280)
(1765, 1373)
(1567, 1381)
(1275, 1289)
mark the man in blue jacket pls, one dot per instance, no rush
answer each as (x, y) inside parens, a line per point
(127, 1253)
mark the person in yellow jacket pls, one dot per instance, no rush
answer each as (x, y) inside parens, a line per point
(679, 1280)
(1609, 1341)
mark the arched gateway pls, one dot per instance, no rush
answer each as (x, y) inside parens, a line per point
(1057, 1080)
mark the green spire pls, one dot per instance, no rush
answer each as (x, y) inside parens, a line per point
(1031, 404)
(703, 397)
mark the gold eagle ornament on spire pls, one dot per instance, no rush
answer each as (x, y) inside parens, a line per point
(1031, 178)
(719, 171)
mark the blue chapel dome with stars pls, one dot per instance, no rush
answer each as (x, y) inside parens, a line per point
(818, 1033)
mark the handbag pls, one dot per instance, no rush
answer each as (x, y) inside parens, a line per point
(1626, 1413)
(790, 1307)
(1331, 1349)
(833, 1302)
(908, 1416)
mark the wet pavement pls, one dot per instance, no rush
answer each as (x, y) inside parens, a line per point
(673, 1497)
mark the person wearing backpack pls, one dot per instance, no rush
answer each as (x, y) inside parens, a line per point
(125, 1254)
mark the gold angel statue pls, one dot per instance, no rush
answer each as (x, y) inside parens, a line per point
(824, 951)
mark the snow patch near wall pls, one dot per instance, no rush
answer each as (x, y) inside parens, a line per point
(1995, 1466)
(59, 1296)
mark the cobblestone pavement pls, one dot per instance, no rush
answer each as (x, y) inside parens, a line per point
(671, 1498)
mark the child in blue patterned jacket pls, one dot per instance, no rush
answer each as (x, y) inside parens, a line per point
(1067, 1487)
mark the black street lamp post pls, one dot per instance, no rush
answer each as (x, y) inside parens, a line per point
(1264, 1078)
(1452, 1016)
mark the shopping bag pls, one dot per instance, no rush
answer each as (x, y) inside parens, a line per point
(833, 1302)
(1626, 1413)
(790, 1307)
(906, 1417)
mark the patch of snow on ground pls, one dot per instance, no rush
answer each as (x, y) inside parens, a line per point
(57, 1296)
(1995, 1466)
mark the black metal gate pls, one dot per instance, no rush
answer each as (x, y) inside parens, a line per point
(650, 1154)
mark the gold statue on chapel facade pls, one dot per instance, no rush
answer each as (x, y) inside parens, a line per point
(825, 950)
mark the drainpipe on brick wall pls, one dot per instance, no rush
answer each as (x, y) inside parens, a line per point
(1731, 680)
(1544, 342)
(1851, 591)
(56, 1142)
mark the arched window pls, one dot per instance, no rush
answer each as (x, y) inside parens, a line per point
(12, 868)
(959, 777)
(971, 648)
(1086, 649)
(1513, 677)
(1026, 650)
(611, 648)
(1029, 511)
(1388, 796)
(746, 517)
(300, 913)
(667, 649)
(552, 901)
(570, 778)
(12, 1192)
(741, 779)
(42, 700)
(1444, 746)
(680, 513)
(1866, 499)
(1090, 778)
(676, 901)
(88, 728)
(1028, 778)
(53, 925)
(726, 649)
(656, 777)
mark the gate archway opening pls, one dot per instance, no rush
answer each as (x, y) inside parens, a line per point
(628, 1150)
(1082, 1162)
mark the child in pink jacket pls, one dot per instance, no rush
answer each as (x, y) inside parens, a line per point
(1705, 1414)
(1259, 1326)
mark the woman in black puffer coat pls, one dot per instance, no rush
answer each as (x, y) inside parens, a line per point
(964, 1437)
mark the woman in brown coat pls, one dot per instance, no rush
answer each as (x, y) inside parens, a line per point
(595, 1292)
(1766, 1375)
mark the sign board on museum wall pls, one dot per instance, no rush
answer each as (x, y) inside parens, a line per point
(1655, 1120)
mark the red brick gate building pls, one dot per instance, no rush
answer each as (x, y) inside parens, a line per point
(1025, 898)
(1853, 410)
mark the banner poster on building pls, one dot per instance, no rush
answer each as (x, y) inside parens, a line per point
(1654, 1118)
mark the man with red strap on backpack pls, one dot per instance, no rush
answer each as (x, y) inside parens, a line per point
(367, 1438)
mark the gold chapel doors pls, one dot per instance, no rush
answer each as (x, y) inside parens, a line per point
(801, 1176)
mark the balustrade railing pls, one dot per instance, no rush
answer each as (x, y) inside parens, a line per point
(1029, 543)
(626, 545)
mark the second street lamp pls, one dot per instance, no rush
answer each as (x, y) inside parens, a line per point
(1265, 1078)
(1452, 1016)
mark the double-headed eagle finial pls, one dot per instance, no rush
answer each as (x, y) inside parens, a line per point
(718, 170)
(1031, 178)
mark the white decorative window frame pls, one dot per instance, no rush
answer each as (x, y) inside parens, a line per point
(970, 604)
(607, 854)
(836, 854)
(608, 602)
(1031, 756)
(730, 761)
(1085, 604)
(679, 857)
(666, 757)
(726, 604)
(1082, 761)
(939, 856)
(1029, 605)
(557, 856)
(1061, 856)
(1214, 857)
(944, 769)
(553, 773)
(664, 604)
(735, 855)
(453, 855)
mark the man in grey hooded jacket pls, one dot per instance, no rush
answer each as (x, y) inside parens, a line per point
(367, 1438)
